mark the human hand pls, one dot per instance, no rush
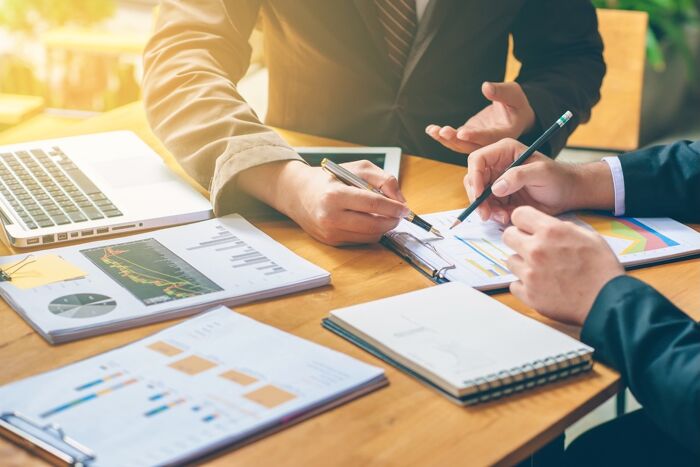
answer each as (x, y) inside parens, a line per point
(561, 267)
(508, 116)
(335, 213)
(549, 186)
(540, 182)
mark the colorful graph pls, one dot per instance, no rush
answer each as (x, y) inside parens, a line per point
(489, 259)
(640, 237)
(98, 381)
(210, 418)
(150, 271)
(88, 397)
(164, 407)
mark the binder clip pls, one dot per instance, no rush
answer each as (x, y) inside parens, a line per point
(7, 273)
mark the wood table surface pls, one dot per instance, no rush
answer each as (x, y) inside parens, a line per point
(402, 424)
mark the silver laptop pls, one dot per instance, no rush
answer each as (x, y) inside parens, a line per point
(86, 186)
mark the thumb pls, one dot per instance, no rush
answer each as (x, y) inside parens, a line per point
(515, 179)
(509, 93)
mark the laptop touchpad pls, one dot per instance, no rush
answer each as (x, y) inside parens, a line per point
(124, 173)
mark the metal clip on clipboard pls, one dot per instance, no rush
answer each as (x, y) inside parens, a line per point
(48, 441)
(423, 255)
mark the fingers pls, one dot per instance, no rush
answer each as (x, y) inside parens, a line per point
(517, 265)
(447, 136)
(510, 93)
(530, 220)
(482, 136)
(518, 289)
(386, 183)
(517, 240)
(352, 199)
(517, 178)
(484, 166)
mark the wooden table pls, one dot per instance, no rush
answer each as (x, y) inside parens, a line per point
(403, 424)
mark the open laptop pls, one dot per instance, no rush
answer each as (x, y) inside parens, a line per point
(86, 186)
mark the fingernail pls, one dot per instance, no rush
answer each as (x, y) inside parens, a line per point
(500, 187)
(500, 218)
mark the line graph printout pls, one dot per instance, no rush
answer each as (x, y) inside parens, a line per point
(151, 272)
(156, 275)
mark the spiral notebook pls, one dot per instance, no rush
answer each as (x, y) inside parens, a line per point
(461, 342)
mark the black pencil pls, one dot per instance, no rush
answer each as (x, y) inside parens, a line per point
(519, 161)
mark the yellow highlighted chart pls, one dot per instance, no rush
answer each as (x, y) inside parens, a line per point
(488, 258)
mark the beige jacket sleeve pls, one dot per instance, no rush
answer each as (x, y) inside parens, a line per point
(198, 53)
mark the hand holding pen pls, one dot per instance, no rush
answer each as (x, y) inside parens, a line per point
(349, 178)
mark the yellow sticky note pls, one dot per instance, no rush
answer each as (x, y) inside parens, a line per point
(41, 270)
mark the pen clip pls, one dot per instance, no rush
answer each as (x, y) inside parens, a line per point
(48, 441)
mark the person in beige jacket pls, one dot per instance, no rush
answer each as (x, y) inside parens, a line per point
(373, 72)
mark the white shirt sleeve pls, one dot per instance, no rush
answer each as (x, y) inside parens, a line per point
(618, 184)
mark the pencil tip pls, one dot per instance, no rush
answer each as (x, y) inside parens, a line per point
(455, 224)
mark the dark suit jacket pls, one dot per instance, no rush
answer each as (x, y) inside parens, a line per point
(635, 329)
(330, 75)
(663, 181)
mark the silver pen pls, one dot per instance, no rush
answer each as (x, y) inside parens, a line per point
(349, 178)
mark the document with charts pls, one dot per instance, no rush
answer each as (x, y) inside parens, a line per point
(214, 381)
(473, 252)
(159, 275)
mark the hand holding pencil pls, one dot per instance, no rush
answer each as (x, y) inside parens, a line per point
(508, 174)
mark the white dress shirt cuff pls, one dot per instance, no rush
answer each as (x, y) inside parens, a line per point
(618, 184)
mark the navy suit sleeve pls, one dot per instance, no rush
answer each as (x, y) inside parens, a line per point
(663, 181)
(656, 348)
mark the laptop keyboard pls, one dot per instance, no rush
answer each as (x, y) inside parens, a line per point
(49, 189)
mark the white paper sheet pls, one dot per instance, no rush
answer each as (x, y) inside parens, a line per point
(153, 276)
(205, 383)
(456, 334)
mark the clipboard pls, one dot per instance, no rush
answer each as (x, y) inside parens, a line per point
(420, 254)
(46, 441)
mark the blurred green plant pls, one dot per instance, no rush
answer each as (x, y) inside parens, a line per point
(28, 15)
(668, 20)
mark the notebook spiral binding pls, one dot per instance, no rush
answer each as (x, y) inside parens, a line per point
(529, 375)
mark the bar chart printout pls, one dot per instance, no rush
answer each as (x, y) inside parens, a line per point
(210, 381)
(243, 256)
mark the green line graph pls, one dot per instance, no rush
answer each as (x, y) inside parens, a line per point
(150, 272)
